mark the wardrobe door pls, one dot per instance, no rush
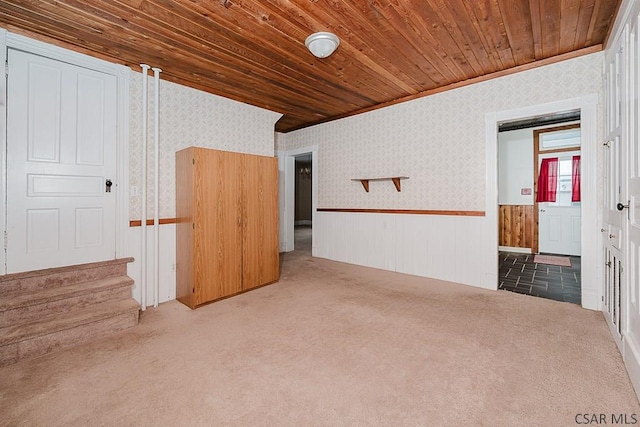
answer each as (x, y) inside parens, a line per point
(260, 260)
(218, 232)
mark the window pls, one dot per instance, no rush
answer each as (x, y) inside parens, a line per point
(565, 193)
(560, 139)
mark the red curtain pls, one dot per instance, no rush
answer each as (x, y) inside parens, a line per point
(575, 179)
(548, 180)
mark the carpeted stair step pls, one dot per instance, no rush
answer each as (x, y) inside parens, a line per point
(26, 307)
(62, 276)
(63, 330)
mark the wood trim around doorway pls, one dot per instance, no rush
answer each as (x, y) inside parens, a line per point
(536, 153)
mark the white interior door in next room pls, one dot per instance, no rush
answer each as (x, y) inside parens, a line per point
(560, 222)
(61, 164)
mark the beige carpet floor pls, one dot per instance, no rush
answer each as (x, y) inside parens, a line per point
(333, 344)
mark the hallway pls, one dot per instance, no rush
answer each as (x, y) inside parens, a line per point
(302, 238)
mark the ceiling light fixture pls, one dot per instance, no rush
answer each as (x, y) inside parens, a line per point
(322, 44)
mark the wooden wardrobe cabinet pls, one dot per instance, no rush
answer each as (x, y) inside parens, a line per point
(227, 223)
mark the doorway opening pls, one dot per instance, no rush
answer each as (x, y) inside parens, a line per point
(303, 218)
(298, 198)
(539, 207)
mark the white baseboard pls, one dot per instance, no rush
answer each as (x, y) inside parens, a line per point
(591, 300)
(167, 255)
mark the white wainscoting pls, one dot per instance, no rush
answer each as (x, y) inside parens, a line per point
(167, 255)
(437, 246)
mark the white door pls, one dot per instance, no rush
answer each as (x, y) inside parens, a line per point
(631, 215)
(61, 151)
(614, 192)
(560, 222)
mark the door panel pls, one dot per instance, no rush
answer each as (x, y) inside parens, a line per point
(218, 188)
(61, 140)
(40, 185)
(45, 86)
(260, 191)
(89, 225)
(43, 230)
(91, 132)
(612, 297)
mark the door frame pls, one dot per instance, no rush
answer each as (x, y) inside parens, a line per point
(535, 244)
(591, 213)
(287, 160)
(122, 74)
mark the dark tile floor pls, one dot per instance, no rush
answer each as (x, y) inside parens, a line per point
(518, 273)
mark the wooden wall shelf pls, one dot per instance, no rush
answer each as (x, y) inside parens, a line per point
(394, 179)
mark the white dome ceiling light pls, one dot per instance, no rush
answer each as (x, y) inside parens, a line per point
(322, 44)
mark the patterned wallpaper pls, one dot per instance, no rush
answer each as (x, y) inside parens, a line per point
(437, 141)
(189, 117)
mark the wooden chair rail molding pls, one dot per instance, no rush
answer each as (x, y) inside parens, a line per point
(161, 221)
(395, 179)
(404, 211)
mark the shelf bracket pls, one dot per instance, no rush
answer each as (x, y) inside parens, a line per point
(365, 184)
(396, 182)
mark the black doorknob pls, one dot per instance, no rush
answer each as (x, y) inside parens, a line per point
(620, 206)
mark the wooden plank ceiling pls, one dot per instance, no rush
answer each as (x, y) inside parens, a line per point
(253, 50)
